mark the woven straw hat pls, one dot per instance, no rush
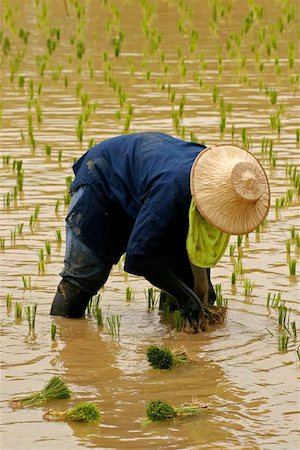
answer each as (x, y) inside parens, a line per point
(230, 188)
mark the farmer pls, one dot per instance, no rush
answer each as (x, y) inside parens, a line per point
(170, 205)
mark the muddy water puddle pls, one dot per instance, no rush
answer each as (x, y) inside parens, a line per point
(195, 70)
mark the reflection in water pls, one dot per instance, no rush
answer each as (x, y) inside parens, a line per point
(207, 71)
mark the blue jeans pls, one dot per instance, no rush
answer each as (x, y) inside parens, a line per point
(81, 266)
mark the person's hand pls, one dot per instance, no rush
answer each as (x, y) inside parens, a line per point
(192, 313)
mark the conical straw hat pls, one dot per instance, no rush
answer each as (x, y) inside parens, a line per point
(230, 188)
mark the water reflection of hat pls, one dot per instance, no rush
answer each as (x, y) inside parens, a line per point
(230, 188)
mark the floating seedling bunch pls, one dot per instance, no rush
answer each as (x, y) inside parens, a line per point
(83, 412)
(164, 358)
(158, 410)
(54, 389)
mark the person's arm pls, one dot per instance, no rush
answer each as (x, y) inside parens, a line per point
(159, 274)
(146, 248)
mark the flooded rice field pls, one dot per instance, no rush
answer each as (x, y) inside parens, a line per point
(75, 72)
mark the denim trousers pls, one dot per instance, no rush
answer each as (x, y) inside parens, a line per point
(82, 267)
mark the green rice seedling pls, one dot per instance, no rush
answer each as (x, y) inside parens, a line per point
(298, 352)
(58, 235)
(248, 287)
(57, 205)
(8, 301)
(288, 247)
(20, 229)
(294, 329)
(113, 324)
(26, 281)
(99, 316)
(297, 240)
(83, 412)
(293, 232)
(55, 389)
(80, 48)
(292, 266)
(178, 320)
(18, 310)
(129, 294)
(283, 315)
(231, 249)
(59, 155)
(2, 244)
(238, 267)
(157, 410)
(239, 240)
(151, 298)
(164, 358)
(48, 248)
(31, 316)
(283, 340)
(166, 311)
(233, 278)
(48, 150)
(298, 135)
(53, 331)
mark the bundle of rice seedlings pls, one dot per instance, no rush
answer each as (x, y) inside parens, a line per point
(83, 412)
(164, 357)
(158, 410)
(215, 314)
(55, 389)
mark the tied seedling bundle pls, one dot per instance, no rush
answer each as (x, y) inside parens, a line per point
(158, 410)
(165, 358)
(55, 389)
(83, 412)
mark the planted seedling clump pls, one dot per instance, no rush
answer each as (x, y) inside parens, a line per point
(83, 412)
(164, 358)
(55, 389)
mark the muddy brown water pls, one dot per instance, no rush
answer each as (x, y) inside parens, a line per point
(236, 368)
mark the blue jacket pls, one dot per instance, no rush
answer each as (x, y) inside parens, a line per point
(136, 201)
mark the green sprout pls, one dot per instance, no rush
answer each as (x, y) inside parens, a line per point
(164, 358)
(53, 331)
(292, 266)
(30, 316)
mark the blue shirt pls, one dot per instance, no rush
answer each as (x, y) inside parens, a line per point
(137, 199)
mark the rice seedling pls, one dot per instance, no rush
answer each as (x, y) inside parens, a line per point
(31, 316)
(113, 324)
(53, 331)
(26, 282)
(164, 358)
(292, 266)
(233, 278)
(248, 287)
(283, 315)
(166, 311)
(83, 412)
(20, 229)
(99, 316)
(48, 248)
(275, 301)
(18, 310)
(294, 329)
(288, 247)
(8, 301)
(157, 410)
(2, 244)
(293, 232)
(231, 249)
(54, 389)
(283, 340)
(57, 205)
(58, 235)
(178, 320)
(151, 298)
(129, 294)
(239, 240)
(298, 352)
